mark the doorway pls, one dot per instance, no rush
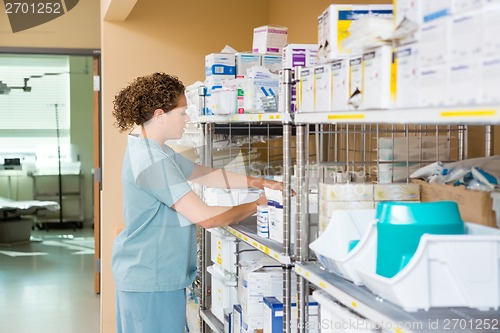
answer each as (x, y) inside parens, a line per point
(83, 131)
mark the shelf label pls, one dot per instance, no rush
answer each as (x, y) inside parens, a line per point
(354, 304)
(351, 116)
(255, 244)
(322, 284)
(266, 250)
(239, 235)
(245, 239)
(476, 113)
(299, 269)
(276, 256)
(259, 116)
(398, 330)
(308, 275)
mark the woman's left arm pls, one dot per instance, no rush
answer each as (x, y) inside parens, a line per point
(221, 178)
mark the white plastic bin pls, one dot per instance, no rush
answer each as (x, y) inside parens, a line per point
(223, 252)
(224, 293)
(332, 247)
(445, 271)
(336, 318)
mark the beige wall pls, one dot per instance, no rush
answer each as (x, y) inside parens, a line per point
(170, 36)
(78, 28)
(174, 37)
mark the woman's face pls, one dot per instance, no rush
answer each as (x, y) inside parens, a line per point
(176, 119)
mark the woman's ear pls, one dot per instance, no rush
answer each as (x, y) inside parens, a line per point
(158, 113)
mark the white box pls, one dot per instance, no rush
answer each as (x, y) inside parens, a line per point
(305, 92)
(355, 82)
(407, 86)
(346, 192)
(223, 64)
(245, 61)
(237, 318)
(303, 55)
(466, 39)
(251, 324)
(256, 282)
(433, 85)
(435, 41)
(323, 88)
(334, 23)
(410, 10)
(228, 320)
(224, 293)
(273, 316)
(491, 26)
(340, 85)
(272, 62)
(461, 6)
(255, 90)
(464, 83)
(490, 82)
(378, 81)
(269, 39)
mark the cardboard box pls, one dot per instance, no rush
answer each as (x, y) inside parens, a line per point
(355, 81)
(433, 84)
(378, 80)
(245, 61)
(272, 62)
(322, 88)
(464, 83)
(490, 80)
(269, 39)
(491, 26)
(466, 39)
(299, 55)
(333, 27)
(237, 317)
(306, 90)
(222, 65)
(273, 316)
(340, 85)
(254, 283)
(434, 45)
(474, 206)
(407, 92)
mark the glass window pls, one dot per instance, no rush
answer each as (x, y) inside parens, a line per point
(34, 102)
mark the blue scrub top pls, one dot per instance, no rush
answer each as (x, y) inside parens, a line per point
(157, 249)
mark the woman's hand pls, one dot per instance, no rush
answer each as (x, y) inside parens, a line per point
(262, 200)
(272, 184)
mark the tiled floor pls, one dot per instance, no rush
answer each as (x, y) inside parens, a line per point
(48, 285)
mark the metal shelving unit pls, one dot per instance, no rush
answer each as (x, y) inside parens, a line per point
(473, 115)
(359, 299)
(392, 317)
(246, 231)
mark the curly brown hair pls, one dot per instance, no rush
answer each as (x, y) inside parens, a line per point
(136, 103)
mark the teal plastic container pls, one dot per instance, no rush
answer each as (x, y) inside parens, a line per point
(401, 225)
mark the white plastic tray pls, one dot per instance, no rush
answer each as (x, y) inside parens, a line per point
(331, 248)
(445, 271)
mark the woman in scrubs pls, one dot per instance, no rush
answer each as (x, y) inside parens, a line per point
(154, 257)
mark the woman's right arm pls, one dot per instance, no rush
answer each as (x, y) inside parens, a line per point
(197, 211)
